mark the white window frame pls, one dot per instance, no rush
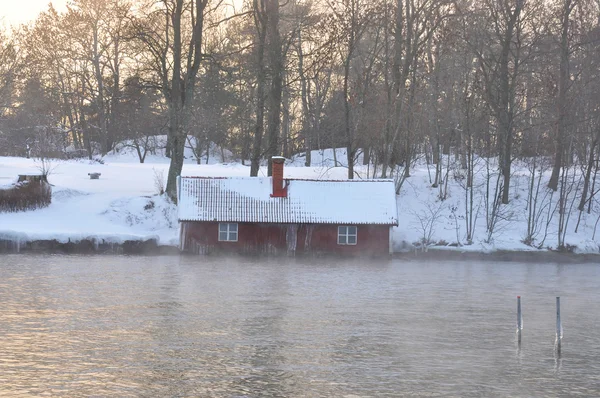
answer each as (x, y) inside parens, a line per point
(232, 233)
(342, 237)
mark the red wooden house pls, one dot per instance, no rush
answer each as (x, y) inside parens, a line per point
(254, 215)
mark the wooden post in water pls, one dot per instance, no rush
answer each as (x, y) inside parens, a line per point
(519, 320)
(558, 326)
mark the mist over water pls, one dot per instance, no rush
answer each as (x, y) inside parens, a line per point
(196, 326)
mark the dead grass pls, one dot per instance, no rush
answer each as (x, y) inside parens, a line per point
(25, 196)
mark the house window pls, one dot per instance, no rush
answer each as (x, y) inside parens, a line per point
(228, 232)
(346, 235)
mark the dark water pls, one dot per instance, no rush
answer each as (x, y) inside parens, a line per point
(202, 327)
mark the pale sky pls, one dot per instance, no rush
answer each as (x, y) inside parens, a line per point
(14, 12)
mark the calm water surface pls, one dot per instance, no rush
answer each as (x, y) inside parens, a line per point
(202, 327)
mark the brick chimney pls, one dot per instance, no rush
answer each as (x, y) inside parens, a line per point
(279, 185)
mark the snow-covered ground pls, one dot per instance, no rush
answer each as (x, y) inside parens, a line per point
(123, 204)
(419, 203)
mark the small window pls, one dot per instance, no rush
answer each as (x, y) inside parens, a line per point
(346, 235)
(228, 232)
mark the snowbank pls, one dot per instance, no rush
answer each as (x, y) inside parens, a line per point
(120, 206)
(420, 206)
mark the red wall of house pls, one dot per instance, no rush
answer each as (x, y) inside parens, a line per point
(203, 237)
(371, 240)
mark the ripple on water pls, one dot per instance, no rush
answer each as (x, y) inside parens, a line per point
(131, 326)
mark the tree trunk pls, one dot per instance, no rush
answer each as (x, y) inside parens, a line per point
(403, 53)
(285, 123)
(366, 156)
(86, 134)
(588, 173)
(306, 130)
(116, 96)
(276, 67)
(505, 106)
(84, 127)
(100, 104)
(175, 107)
(563, 85)
(261, 25)
(347, 127)
(182, 87)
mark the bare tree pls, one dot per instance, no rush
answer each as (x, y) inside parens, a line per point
(172, 33)
(426, 222)
(261, 22)
(276, 68)
(500, 52)
(564, 85)
(349, 21)
(8, 65)
(414, 24)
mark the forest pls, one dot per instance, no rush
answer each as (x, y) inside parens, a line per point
(393, 82)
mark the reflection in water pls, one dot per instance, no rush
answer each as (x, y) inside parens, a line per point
(557, 361)
(140, 326)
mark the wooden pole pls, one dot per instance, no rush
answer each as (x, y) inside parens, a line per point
(519, 319)
(558, 326)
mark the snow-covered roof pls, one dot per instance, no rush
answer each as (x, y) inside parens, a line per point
(248, 199)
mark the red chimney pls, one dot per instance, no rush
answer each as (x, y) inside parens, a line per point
(279, 186)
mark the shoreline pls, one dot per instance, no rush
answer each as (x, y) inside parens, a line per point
(501, 255)
(86, 246)
(151, 247)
